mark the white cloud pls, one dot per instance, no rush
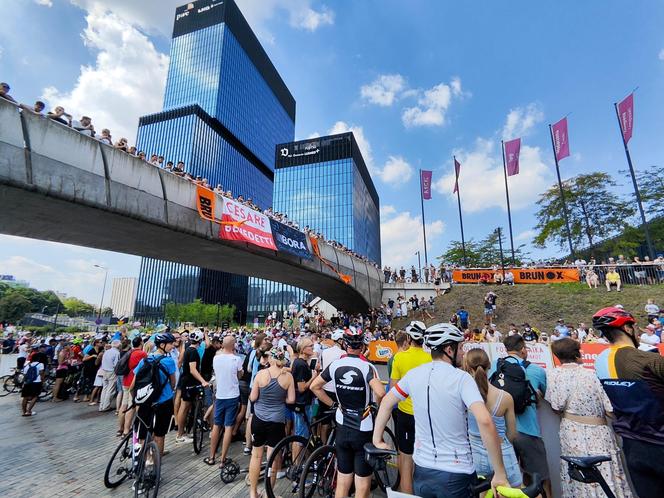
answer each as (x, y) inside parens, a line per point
(432, 105)
(126, 81)
(521, 120)
(526, 235)
(362, 142)
(661, 55)
(45, 3)
(396, 171)
(309, 19)
(401, 236)
(481, 181)
(384, 90)
(386, 210)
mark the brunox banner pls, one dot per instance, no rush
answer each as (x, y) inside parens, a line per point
(205, 203)
(290, 240)
(521, 276)
(238, 222)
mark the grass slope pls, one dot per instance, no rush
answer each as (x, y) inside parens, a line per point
(541, 305)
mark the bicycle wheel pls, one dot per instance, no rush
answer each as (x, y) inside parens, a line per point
(10, 385)
(198, 429)
(4, 392)
(388, 476)
(119, 466)
(293, 469)
(319, 475)
(148, 477)
(47, 389)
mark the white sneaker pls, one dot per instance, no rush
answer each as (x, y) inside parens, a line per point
(183, 439)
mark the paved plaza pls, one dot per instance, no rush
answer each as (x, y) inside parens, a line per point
(64, 449)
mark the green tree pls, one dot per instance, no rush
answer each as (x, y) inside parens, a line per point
(651, 188)
(76, 307)
(595, 212)
(199, 313)
(482, 254)
(13, 306)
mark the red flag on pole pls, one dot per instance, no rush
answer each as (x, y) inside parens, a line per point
(425, 183)
(626, 114)
(560, 139)
(457, 170)
(512, 149)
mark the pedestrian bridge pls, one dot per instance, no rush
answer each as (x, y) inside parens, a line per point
(57, 184)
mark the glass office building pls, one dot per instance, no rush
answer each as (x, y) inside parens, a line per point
(322, 183)
(225, 109)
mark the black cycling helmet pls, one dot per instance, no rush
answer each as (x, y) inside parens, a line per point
(354, 338)
(163, 338)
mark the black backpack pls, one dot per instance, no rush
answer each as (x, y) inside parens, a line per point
(511, 377)
(122, 367)
(147, 385)
(32, 373)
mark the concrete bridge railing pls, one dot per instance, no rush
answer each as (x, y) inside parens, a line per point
(57, 184)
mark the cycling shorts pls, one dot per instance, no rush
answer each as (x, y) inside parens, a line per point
(244, 392)
(162, 414)
(404, 427)
(266, 433)
(350, 451)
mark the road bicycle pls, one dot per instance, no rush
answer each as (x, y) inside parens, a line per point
(133, 459)
(196, 420)
(377, 458)
(13, 383)
(585, 469)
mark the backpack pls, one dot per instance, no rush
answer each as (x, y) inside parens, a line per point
(147, 384)
(32, 373)
(122, 366)
(511, 377)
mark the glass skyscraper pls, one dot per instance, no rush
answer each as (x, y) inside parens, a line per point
(225, 109)
(322, 183)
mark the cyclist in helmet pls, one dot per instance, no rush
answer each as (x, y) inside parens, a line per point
(634, 382)
(162, 410)
(356, 384)
(191, 377)
(404, 421)
(442, 394)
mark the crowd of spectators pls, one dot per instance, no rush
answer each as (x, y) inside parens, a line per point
(84, 126)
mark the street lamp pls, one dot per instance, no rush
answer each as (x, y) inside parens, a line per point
(419, 266)
(103, 291)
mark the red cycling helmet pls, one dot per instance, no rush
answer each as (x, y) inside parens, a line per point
(612, 317)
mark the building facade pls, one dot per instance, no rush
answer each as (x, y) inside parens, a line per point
(225, 109)
(123, 296)
(322, 183)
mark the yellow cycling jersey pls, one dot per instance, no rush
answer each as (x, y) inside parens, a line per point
(403, 362)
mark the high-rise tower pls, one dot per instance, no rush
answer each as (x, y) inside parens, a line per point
(225, 109)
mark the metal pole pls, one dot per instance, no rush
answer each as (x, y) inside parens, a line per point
(424, 230)
(103, 291)
(500, 245)
(419, 265)
(217, 316)
(562, 196)
(55, 318)
(509, 213)
(646, 229)
(463, 240)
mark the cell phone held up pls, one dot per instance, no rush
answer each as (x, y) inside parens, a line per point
(312, 363)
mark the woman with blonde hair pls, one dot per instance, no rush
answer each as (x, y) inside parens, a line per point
(272, 389)
(501, 406)
(576, 393)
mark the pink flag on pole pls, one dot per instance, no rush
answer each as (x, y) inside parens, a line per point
(425, 181)
(457, 170)
(626, 114)
(560, 139)
(512, 149)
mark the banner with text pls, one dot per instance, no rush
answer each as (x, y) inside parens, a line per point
(238, 222)
(205, 200)
(290, 240)
(381, 351)
(521, 276)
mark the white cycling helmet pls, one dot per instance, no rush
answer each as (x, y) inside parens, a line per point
(416, 330)
(442, 333)
(196, 335)
(337, 335)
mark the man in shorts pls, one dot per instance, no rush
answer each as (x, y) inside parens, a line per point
(135, 356)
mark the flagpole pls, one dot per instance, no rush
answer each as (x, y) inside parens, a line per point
(646, 229)
(424, 230)
(463, 240)
(509, 213)
(562, 196)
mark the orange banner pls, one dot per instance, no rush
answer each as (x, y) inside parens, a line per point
(205, 203)
(314, 244)
(591, 350)
(381, 351)
(521, 276)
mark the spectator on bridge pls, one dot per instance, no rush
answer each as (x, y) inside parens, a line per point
(58, 114)
(105, 137)
(4, 92)
(121, 144)
(37, 108)
(169, 166)
(154, 160)
(141, 155)
(577, 395)
(84, 126)
(132, 150)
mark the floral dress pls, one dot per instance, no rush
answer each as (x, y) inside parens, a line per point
(576, 390)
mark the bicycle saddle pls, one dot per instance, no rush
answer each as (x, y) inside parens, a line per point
(587, 462)
(372, 451)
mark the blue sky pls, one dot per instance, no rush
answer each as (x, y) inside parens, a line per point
(417, 81)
